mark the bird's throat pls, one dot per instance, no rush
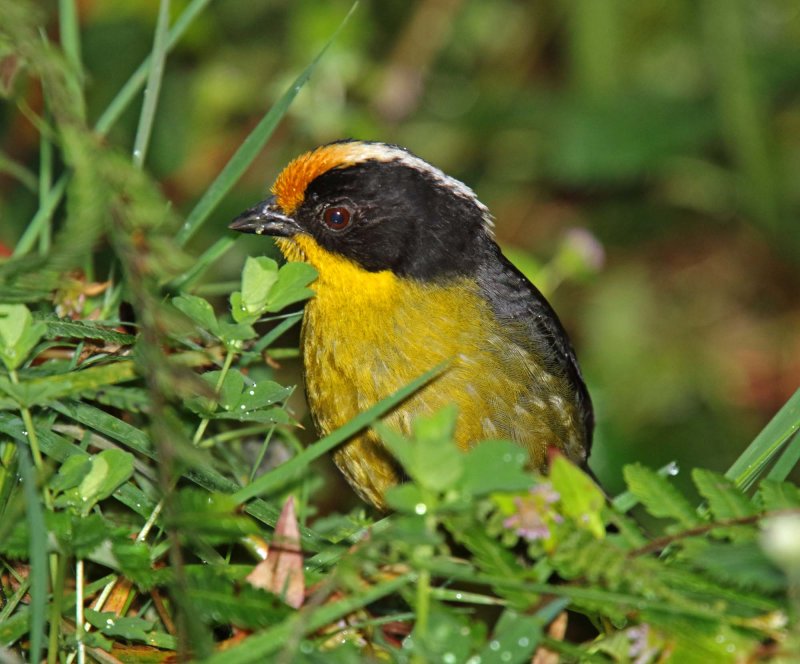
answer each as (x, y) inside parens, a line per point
(341, 283)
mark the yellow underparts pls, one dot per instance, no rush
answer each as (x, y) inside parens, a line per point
(367, 334)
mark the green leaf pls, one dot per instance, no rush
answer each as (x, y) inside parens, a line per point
(258, 277)
(78, 535)
(725, 500)
(214, 515)
(231, 389)
(199, 310)
(216, 600)
(495, 465)
(626, 501)
(261, 394)
(135, 562)
(515, 638)
(15, 627)
(91, 640)
(237, 394)
(660, 497)
(450, 636)
(108, 470)
(234, 333)
(15, 542)
(408, 532)
(129, 399)
(264, 416)
(405, 498)
(135, 439)
(19, 333)
(581, 499)
(14, 318)
(38, 391)
(288, 471)
(267, 288)
(774, 496)
(701, 641)
(240, 400)
(261, 646)
(71, 473)
(87, 532)
(431, 456)
(291, 286)
(206, 405)
(742, 565)
(133, 629)
(65, 328)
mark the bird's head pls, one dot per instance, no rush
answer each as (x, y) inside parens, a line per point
(376, 207)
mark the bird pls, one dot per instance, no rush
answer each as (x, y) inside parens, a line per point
(409, 275)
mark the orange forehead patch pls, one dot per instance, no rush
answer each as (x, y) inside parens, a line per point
(290, 186)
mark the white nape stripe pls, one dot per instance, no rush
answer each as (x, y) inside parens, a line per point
(385, 152)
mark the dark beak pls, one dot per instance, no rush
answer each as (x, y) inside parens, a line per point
(266, 218)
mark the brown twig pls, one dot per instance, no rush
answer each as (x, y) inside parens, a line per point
(662, 543)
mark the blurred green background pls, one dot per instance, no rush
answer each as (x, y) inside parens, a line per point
(641, 159)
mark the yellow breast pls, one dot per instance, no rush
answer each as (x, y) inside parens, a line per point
(367, 334)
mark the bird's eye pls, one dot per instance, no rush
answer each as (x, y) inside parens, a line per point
(336, 218)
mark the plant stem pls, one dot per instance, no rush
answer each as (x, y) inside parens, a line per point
(201, 428)
(8, 475)
(423, 603)
(33, 441)
(153, 87)
(55, 609)
(79, 625)
(45, 186)
(423, 599)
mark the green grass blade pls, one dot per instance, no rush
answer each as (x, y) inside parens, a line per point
(59, 448)
(41, 218)
(70, 40)
(22, 174)
(151, 92)
(137, 441)
(250, 148)
(787, 461)
(592, 594)
(69, 33)
(37, 552)
(767, 444)
(258, 647)
(45, 184)
(107, 425)
(16, 626)
(126, 95)
(270, 337)
(742, 110)
(292, 468)
(206, 259)
(37, 391)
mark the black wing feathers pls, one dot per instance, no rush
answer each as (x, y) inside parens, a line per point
(514, 298)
